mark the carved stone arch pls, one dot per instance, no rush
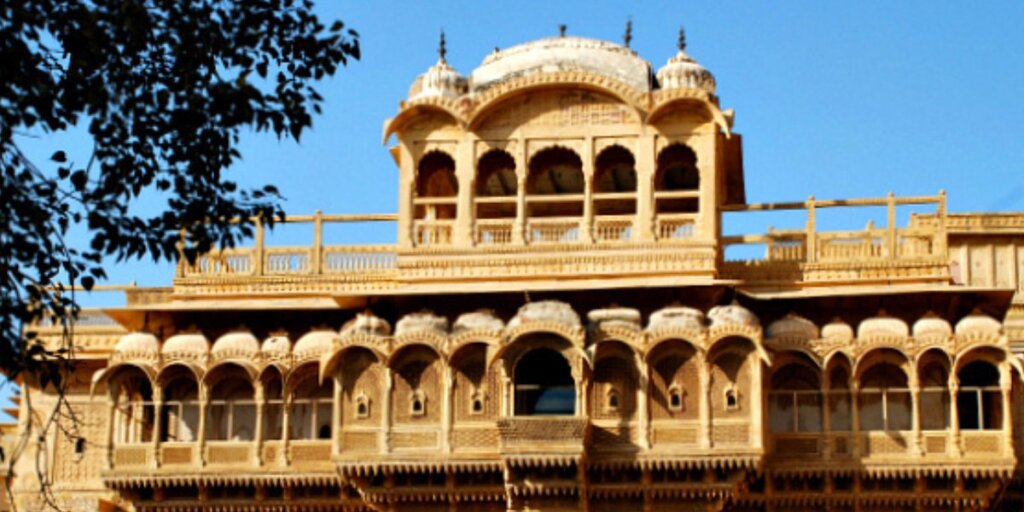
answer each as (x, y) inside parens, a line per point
(476, 390)
(883, 355)
(615, 380)
(718, 336)
(668, 101)
(992, 354)
(329, 361)
(106, 375)
(677, 367)
(166, 371)
(573, 334)
(555, 354)
(733, 378)
(495, 97)
(418, 371)
(434, 342)
(253, 372)
(633, 339)
(933, 350)
(363, 377)
(415, 108)
(537, 336)
(655, 340)
(466, 341)
(781, 354)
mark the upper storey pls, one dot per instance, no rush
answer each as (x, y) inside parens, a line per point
(569, 163)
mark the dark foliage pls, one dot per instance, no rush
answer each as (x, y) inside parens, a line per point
(164, 88)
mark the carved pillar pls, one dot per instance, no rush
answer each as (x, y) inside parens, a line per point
(587, 224)
(704, 403)
(336, 416)
(204, 395)
(446, 407)
(1005, 385)
(855, 417)
(257, 438)
(464, 171)
(158, 404)
(286, 422)
(519, 227)
(954, 415)
(385, 424)
(826, 416)
(406, 182)
(645, 169)
(757, 423)
(111, 417)
(643, 410)
(915, 414)
(317, 258)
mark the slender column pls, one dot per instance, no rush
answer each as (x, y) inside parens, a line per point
(111, 417)
(203, 399)
(286, 425)
(645, 169)
(158, 404)
(587, 226)
(890, 228)
(954, 415)
(757, 402)
(811, 244)
(257, 437)
(642, 405)
(1005, 385)
(336, 416)
(826, 417)
(915, 415)
(385, 424)
(704, 405)
(257, 264)
(519, 227)
(464, 171)
(446, 408)
(316, 258)
(406, 182)
(855, 417)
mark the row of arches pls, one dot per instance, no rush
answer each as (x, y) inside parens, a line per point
(553, 186)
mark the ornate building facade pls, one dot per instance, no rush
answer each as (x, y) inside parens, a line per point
(558, 327)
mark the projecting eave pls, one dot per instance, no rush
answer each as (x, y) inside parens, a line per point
(994, 293)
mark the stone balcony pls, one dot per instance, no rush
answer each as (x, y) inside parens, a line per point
(547, 435)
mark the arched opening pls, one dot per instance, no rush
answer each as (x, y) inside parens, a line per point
(471, 385)
(795, 399)
(676, 191)
(496, 189)
(434, 206)
(417, 382)
(312, 405)
(979, 401)
(361, 380)
(133, 406)
(544, 384)
(231, 411)
(554, 196)
(273, 406)
(615, 383)
(840, 400)
(675, 382)
(884, 401)
(933, 374)
(179, 416)
(614, 194)
(731, 377)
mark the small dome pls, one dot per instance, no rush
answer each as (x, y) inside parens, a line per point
(677, 317)
(733, 314)
(793, 326)
(422, 321)
(931, 325)
(137, 346)
(313, 344)
(276, 346)
(546, 311)
(882, 325)
(235, 344)
(979, 323)
(627, 317)
(837, 330)
(682, 72)
(366, 323)
(483, 320)
(564, 53)
(186, 346)
(441, 80)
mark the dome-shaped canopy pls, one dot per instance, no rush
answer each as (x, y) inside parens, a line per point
(365, 323)
(440, 80)
(313, 344)
(882, 325)
(563, 54)
(733, 314)
(276, 346)
(422, 321)
(186, 346)
(837, 330)
(682, 72)
(483, 320)
(546, 311)
(978, 323)
(627, 317)
(235, 344)
(931, 325)
(137, 346)
(793, 326)
(676, 317)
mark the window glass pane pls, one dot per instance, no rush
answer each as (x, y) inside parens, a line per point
(992, 409)
(934, 409)
(217, 421)
(272, 414)
(323, 419)
(300, 426)
(243, 421)
(839, 411)
(967, 406)
(782, 412)
(809, 411)
(899, 410)
(871, 411)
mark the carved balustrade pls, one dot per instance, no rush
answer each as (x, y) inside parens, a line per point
(543, 434)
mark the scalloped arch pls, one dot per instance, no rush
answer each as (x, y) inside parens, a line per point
(412, 109)
(688, 96)
(330, 360)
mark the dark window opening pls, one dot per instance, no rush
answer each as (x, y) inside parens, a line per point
(544, 385)
(80, 446)
(324, 432)
(677, 172)
(979, 402)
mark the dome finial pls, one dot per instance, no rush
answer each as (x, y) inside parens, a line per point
(561, 29)
(682, 39)
(442, 49)
(628, 36)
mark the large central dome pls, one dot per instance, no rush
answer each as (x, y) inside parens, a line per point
(563, 53)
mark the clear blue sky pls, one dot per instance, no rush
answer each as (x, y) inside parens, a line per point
(834, 99)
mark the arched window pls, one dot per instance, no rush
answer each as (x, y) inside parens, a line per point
(180, 413)
(435, 203)
(979, 402)
(934, 378)
(496, 175)
(436, 176)
(231, 412)
(471, 376)
(133, 407)
(496, 189)
(544, 384)
(273, 408)
(675, 385)
(884, 400)
(614, 194)
(676, 183)
(417, 372)
(840, 402)
(311, 407)
(554, 196)
(616, 381)
(795, 400)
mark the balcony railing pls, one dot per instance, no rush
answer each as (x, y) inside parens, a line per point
(494, 231)
(675, 226)
(543, 434)
(613, 228)
(553, 230)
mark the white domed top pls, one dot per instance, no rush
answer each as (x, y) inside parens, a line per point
(419, 322)
(441, 80)
(276, 346)
(186, 346)
(564, 53)
(545, 311)
(837, 330)
(313, 344)
(734, 314)
(678, 317)
(366, 323)
(137, 346)
(882, 325)
(793, 326)
(627, 317)
(483, 320)
(235, 344)
(979, 323)
(931, 325)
